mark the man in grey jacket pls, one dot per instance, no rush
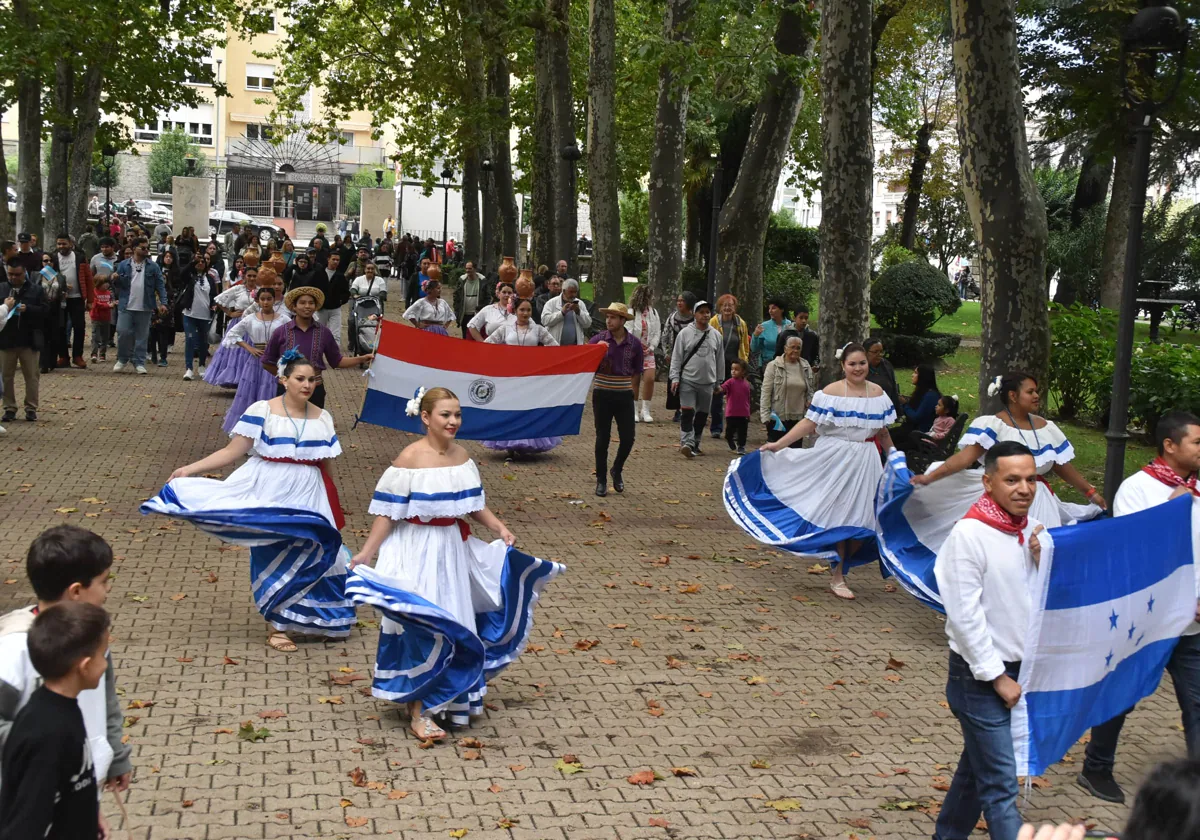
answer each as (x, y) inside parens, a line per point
(697, 364)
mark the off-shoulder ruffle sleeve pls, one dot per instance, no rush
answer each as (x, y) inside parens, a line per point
(435, 493)
(866, 413)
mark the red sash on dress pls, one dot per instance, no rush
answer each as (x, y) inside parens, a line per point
(1158, 469)
(464, 527)
(331, 493)
(989, 513)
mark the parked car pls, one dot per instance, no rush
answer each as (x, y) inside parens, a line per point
(221, 221)
(154, 210)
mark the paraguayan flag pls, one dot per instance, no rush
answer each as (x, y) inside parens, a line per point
(506, 392)
(1110, 600)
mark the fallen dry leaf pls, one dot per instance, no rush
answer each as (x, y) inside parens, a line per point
(184, 659)
(672, 662)
(458, 832)
(272, 714)
(893, 664)
(346, 679)
(358, 777)
(345, 803)
(586, 644)
(495, 788)
(229, 661)
(471, 755)
(658, 822)
(617, 626)
(140, 704)
(222, 731)
(187, 803)
(179, 596)
(760, 764)
(516, 768)
(397, 794)
(356, 822)
(880, 715)
(783, 804)
(642, 777)
(332, 701)
(683, 771)
(470, 743)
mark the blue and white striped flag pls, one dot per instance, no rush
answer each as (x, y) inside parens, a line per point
(1109, 602)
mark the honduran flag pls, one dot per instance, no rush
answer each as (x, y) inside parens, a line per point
(1110, 600)
(506, 392)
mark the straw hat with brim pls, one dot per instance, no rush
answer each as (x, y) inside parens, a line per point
(292, 296)
(617, 309)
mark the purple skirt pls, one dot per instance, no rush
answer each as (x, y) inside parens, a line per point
(254, 384)
(525, 446)
(436, 328)
(225, 364)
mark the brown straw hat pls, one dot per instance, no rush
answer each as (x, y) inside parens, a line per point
(289, 299)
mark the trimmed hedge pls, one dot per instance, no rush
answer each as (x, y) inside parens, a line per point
(911, 297)
(911, 350)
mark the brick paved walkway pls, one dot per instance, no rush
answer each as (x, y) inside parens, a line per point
(671, 643)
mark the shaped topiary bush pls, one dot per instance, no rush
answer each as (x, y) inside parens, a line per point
(911, 297)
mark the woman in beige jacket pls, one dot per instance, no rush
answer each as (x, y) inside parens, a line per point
(787, 389)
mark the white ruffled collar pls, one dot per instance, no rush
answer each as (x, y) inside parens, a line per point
(864, 412)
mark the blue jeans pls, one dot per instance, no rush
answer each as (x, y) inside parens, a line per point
(195, 332)
(986, 779)
(133, 330)
(1184, 668)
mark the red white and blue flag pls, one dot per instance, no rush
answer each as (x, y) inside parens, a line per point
(506, 392)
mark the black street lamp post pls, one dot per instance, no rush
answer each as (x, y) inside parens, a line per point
(447, 174)
(571, 154)
(487, 167)
(714, 228)
(108, 157)
(1155, 31)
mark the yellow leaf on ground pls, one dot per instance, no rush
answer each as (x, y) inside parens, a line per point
(784, 804)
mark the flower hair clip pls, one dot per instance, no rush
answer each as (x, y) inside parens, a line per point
(994, 387)
(413, 407)
(954, 397)
(291, 356)
(841, 351)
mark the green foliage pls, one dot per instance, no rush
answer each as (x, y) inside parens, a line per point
(793, 284)
(1057, 188)
(1165, 377)
(910, 298)
(1076, 254)
(787, 242)
(364, 178)
(944, 226)
(1081, 359)
(911, 350)
(102, 177)
(894, 254)
(168, 158)
(635, 219)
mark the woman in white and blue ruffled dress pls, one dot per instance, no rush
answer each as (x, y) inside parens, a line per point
(523, 332)
(916, 513)
(281, 503)
(820, 502)
(252, 333)
(456, 610)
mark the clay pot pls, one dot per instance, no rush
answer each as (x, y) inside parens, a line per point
(524, 286)
(434, 273)
(507, 270)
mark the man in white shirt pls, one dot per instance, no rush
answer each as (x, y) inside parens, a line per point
(566, 316)
(1171, 475)
(983, 572)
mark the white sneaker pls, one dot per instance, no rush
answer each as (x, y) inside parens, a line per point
(646, 418)
(3, 431)
(119, 366)
(637, 418)
(141, 369)
(188, 375)
(200, 372)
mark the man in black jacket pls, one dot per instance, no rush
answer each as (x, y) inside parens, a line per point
(332, 282)
(809, 342)
(21, 339)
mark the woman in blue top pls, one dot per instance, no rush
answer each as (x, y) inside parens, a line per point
(767, 333)
(918, 410)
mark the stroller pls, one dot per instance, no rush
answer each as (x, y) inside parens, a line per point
(366, 315)
(384, 265)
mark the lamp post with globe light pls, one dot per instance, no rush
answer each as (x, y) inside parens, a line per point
(1156, 33)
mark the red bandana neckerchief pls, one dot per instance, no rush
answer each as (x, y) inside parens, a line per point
(989, 513)
(1158, 469)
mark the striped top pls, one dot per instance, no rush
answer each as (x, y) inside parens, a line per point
(621, 361)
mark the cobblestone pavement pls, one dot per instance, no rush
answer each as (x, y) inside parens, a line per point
(672, 645)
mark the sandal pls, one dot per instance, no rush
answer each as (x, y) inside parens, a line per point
(841, 590)
(279, 641)
(425, 729)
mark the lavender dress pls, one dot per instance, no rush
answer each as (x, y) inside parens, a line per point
(253, 383)
(225, 364)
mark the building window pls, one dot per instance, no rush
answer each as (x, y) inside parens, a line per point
(258, 132)
(260, 77)
(876, 218)
(204, 76)
(889, 217)
(200, 133)
(346, 138)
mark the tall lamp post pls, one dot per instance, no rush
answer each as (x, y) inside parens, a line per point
(714, 229)
(447, 174)
(108, 157)
(572, 154)
(486, 166)
(1155, 31)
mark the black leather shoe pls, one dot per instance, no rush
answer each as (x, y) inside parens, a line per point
(601, 488)
(618, 483)
(1101, 785)
(9, 416)
(31, 416)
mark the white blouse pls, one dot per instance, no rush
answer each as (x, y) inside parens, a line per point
(424, 310)
(1048, 444)
(236, 298)
(518, 336)
(851, 418)
(282, 437)
(491, 318)
(431, 493)
(253, 330)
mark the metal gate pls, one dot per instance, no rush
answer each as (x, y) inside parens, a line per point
(249, 192)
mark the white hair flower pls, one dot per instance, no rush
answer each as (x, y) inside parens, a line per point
(413, 407)
(841, 351)
(994, 387)
(954, 397)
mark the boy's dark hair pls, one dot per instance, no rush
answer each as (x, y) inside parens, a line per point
(63, 634)
(107, 240)
(741, 362)
(801, 308)
(1003, 449)
(951, 405)
(63, 555)
(1167, 806)
(1173, 426)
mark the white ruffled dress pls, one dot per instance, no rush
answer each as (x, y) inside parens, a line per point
(283, 512)
(456, 610)
(806, 501)
(915, 521)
